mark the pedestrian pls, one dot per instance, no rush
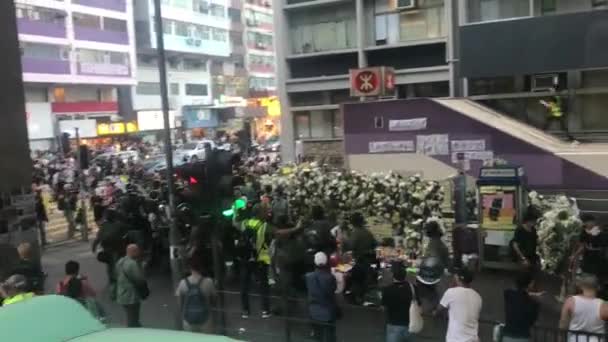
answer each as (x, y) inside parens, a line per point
(74, 285)
(67, 202)
(396, 300)
(436, 247)
(363, 245)
(78, 287)
(463, 305)
(15, 290)
(521, 309)
(592, 243)
(42, 218)
(322, 307)
(111, 237)
(254, 246)
(279, 205)
(29, 268)
(582, 313)
(131, 285)
(524, 243)
(197, 297)
(555, 112)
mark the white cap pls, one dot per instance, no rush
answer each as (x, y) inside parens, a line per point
(320, 259)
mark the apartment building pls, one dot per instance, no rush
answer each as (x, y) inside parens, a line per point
(318, 41)
(78, 58)
(196, 37)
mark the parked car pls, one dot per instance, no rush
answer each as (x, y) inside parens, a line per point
(194, 151)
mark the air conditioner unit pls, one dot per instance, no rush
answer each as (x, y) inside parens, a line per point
(405, 4)
(544, 82)
(190, 41)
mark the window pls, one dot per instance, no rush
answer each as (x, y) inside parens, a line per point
(220, 35)
(174, 88)
(85, 20)
(110, 24)
(320, 124)
(194, 64)
(167, 26)
(302, 125)
(41, 51)
(193, 89)
(46, 15)
(201, 6)
(217, 10)
(261, 83)
(485, 10)
(181, 29)
(148, 88)
(421, 24)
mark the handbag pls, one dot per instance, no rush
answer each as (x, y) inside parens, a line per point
(416, 320)
(141, 288)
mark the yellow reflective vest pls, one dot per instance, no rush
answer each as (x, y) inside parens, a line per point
(261, 247)
(18, 298)
(556, 108)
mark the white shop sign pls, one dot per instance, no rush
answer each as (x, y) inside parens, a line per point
(407, 125)
(391, 146)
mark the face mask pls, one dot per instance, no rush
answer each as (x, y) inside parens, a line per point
(595, 231)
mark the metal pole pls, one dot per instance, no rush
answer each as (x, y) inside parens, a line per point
(175, 249)
(82, 191)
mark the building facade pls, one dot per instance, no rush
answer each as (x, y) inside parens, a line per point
(319, 41)
(480, 49)
(196, 36)
(78, 58)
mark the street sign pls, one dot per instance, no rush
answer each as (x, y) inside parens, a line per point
(369, 82)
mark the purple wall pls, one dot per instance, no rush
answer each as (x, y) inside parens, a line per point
(96, 35)
(44, 66)
(40, 28)
(116, 5)
(544, 170)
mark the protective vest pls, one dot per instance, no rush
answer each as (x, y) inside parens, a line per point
(261, 247)
(556, 108)
(18, 298)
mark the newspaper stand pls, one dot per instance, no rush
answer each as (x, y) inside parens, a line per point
(502, 200)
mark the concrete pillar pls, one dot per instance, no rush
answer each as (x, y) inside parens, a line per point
(281, 45)
(16, 169)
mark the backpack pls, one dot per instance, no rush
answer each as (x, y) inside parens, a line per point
(195, 309)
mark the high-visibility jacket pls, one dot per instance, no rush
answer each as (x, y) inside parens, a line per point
(18, 298)
(261, 247)
(555, 107)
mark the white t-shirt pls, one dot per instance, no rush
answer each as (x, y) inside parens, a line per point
(464, 305)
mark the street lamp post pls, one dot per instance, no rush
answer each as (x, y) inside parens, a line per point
(162, 68)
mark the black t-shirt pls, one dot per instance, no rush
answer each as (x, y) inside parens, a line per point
(396, 299)
(593, 255)
(521, 312)
(527, 242)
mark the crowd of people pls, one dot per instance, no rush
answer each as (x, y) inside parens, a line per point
(323, 257)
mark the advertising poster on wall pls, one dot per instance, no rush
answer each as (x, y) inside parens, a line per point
(468, 145)
(498, 207)
(433, 145)
(39, 121)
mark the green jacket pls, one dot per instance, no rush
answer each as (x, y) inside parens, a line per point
(128, 271)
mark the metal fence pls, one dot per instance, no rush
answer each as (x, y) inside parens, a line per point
(357, 324)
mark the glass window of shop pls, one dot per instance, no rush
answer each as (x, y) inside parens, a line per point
(486, 10)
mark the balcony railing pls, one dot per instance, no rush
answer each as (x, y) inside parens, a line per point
(97, 35)
(115, 5)
(98, 69)
(45, 66)
(262, 68)
(40, 28)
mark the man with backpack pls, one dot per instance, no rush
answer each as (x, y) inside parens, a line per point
(197, 297)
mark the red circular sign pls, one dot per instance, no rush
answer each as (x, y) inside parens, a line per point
(367, 82)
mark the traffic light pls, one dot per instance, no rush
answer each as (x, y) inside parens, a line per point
(83, 154)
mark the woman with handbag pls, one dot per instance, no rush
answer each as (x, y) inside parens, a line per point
(402, 306)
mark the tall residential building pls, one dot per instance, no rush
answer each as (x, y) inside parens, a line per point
(318, 41)
(196, 36)
(260, 56)
(78, 57)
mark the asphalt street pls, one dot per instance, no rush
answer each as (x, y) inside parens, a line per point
(357, 324)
